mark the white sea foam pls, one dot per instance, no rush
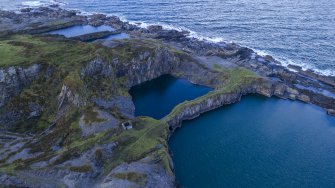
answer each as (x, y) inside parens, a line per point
(287, 61)
(32, 3)
(42, 3)
(192, 34)
(58, 2)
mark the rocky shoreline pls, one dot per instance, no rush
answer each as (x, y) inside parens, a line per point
(80, 112)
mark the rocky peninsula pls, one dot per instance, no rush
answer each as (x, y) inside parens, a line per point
(65, 102)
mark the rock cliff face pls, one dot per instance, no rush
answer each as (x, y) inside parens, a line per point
(208, 104)
(67, 96)
(160, 62)
(14, 79)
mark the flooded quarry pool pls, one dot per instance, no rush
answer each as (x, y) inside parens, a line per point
(156, 98)
(78, 30)
(259, 142)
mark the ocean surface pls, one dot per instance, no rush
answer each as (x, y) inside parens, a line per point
(277, 143)
(300, 32)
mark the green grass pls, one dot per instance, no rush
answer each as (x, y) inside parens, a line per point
(217, 67)
(142, 139)
(73, 81)
(10, 54)
(26, 49)
(92, 116)
(82, 169)
(130, 48)
(138, 178)
(146, 139)
(237, 78)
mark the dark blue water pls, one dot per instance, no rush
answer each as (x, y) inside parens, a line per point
(294, 31)
(259, 142)
(158, 97)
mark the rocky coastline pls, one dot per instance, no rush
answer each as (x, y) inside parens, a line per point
(60, 119)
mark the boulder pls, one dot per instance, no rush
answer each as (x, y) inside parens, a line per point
(155, 28)
(331, 112)
(304, 98)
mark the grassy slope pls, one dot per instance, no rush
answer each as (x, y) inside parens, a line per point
(26, 49)
(147, 138)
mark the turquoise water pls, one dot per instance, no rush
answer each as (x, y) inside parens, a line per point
(259, 142)
(156, 98)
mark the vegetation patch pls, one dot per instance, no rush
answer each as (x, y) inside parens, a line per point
(146, 138)
(91, 115)
(130, 48)
(138, 178)
(142, 141)
(27, 49)
(237, 78)
(81, 169)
